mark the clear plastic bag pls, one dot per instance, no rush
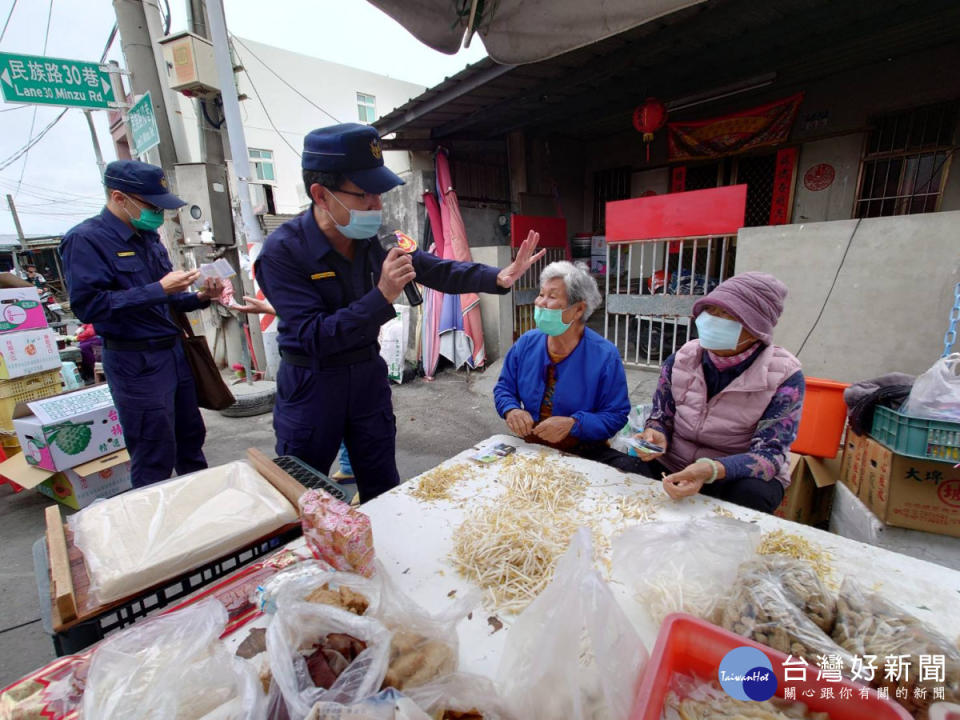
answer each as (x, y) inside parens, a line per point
(387, 705)
(307, 580)
(758, 607)
(801, 586)
(299, 625)
(572, 653)
(462, 693)
(936, 393)
(172, 667)
(151, 534)
(682, 566)
(868, 624)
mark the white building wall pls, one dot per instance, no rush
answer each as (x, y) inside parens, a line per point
(329, 85)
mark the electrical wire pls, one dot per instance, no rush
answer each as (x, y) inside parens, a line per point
(110, 39)
(26, 148)
(33, 120)
(267, 113)
(237, 40)
(18, 107)
(6, 23)
(832, 286)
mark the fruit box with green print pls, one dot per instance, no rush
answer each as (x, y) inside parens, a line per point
(20, 309)
(78, 487)
(69, 429)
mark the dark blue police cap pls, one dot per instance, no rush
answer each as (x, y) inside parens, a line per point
(143, 180)
(353, 150)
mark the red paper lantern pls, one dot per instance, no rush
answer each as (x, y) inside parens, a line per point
(648, 118)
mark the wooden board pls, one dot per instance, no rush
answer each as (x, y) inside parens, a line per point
(61, 580)
(277, 476)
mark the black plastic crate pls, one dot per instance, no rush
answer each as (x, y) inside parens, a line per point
(86, 633)
(313, 479)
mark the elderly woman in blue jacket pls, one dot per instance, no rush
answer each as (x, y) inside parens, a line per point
(563, 385)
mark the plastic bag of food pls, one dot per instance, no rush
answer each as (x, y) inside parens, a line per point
(172, 667)
(936, 393)
(869, 625)
(460, 696)
(572, 653)
(757, 606)
(387, 705)
(337, 533)
(682, 566)
(425, 646)
(313, 582)
(691, 698)
(801, 586)
(318, 652)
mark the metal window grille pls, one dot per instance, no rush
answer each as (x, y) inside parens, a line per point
(906, 160)
(651, 289)
(613, 184)
(758, 173)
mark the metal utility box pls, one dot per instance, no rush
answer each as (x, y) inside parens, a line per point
(204, 188)
(190, 66)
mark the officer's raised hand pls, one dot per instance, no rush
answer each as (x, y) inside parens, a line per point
(178, 280)
(396, 272)
(525, 258)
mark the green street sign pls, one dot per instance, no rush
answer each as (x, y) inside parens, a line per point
(53, 81)
(143, 125)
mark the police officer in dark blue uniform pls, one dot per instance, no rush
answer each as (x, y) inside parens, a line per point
(121, 280)
(332, 285)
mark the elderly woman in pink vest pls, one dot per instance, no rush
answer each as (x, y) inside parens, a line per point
(727, 406)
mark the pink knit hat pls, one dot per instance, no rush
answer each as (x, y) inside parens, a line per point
(754, 298)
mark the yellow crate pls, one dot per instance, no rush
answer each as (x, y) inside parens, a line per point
(25, 389)
(10, 444)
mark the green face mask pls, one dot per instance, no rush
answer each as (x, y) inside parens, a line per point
(148, 220)
(550, 321)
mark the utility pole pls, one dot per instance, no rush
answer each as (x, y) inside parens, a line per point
(250, 235)
(96, 142)
(213, 153)
(20, 235)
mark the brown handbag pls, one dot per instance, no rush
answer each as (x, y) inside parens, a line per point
(212, 391)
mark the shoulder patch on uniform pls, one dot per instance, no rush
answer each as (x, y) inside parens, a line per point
(323, 275)
(126, 253)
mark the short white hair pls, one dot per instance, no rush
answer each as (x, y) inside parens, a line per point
(580, 285)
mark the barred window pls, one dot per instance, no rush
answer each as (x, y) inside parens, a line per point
(905, 161)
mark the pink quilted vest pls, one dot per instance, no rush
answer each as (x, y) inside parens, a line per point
(726, 423)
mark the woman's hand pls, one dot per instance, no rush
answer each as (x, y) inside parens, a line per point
(655, 437)
(688, 481)
(519, 421)
(554, 429)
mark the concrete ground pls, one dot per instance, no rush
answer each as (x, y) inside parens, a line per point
(435, 420)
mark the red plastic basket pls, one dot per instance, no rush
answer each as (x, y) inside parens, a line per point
(689, 645)
(824, 415)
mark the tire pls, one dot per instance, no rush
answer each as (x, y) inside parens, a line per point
(251, 403)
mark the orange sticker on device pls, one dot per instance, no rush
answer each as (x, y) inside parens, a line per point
(405, 242)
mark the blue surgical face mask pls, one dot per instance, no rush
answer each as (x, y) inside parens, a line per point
(362, 224)
(717, 333)
(550, 321)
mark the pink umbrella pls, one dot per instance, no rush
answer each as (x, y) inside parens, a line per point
(432, 299)
(456, 248)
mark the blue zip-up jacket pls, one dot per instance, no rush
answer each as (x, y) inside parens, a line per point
(591, 384)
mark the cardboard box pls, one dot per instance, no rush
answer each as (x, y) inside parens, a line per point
(854, 456)
(20, 309)
(78, 487)
(28, 352)
(69, 429)
(809, 498)
(910, 493)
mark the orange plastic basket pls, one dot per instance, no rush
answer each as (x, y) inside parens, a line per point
(689, 645)
(824, 415)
